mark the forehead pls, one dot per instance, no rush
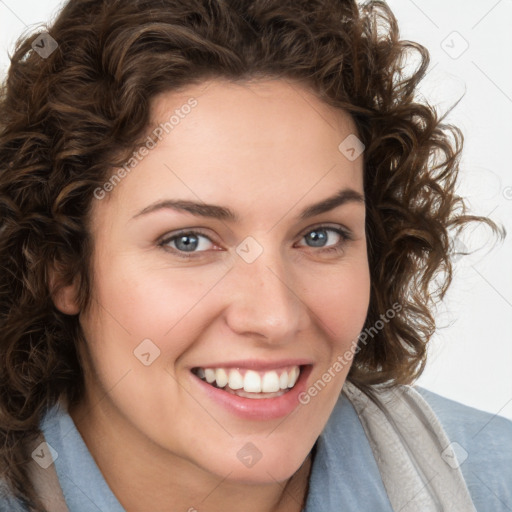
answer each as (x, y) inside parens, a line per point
(257, 110)
(243, 144)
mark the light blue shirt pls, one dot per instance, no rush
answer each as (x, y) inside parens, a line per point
(344, 475)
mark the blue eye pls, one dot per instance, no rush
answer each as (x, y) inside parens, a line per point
(187, 244)
(320, 237)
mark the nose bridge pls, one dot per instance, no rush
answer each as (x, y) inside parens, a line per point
(263, 300)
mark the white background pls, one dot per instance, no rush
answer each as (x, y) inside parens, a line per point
(470, 357)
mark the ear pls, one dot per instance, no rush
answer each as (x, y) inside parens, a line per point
(63, 296)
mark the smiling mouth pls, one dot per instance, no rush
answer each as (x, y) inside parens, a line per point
(249, 383)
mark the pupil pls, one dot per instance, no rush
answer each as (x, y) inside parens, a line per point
(187, 242)
(318, 237)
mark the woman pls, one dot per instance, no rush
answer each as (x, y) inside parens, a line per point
(221, 223)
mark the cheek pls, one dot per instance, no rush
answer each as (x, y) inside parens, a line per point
(339, 304)
(340, 301)
(134, 303)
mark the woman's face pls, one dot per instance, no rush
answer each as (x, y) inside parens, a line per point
(247, 277)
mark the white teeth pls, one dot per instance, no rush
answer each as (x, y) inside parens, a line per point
(209, 375)
(251, 381)
(221, 377)
(283, 380)
(236, 381)
(270, 382)
(293, 375)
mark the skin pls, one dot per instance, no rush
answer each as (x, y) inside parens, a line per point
(266, 150)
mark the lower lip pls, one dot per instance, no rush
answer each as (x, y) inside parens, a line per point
(258, 408)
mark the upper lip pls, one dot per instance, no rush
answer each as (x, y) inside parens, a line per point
(257, 364)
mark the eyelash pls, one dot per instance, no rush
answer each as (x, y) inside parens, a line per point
(336, 248)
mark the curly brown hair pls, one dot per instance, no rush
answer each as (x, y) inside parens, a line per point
(68, 120)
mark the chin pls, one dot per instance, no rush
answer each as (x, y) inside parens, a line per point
(252, 466)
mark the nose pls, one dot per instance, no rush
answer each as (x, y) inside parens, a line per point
(263, 301)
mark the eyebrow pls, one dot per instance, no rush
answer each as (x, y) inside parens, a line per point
(344, 196)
